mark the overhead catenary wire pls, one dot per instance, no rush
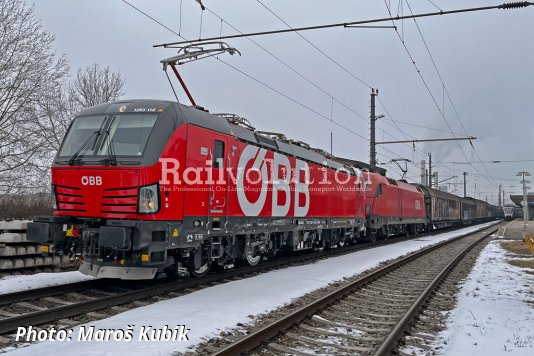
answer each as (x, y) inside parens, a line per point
(420, 126)
(511, 5)
(291, 68)
(257, 80)
(495, 161)
(302, 76)
(300, 103)
(395, 125)
(351, 74)
(411, 57)
(443, 84)
(436, 6)
(432, 59)
(279, 92)
(253, 78)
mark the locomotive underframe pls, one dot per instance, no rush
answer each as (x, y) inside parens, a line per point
(385, 226)
(134, 249)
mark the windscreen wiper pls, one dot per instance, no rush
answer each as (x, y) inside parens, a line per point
(90, 139)
(111, 152)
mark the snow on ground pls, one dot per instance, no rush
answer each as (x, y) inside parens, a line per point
(209, 311)
(12, 284)
(492, 316)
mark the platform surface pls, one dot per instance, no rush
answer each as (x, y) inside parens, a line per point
(514, 229)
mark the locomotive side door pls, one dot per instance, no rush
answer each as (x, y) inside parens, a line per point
(218, 193)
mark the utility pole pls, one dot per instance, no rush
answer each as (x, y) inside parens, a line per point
(465, 186)
(436, 180)
(524, 174)
(430, 170)
(372, 159)
(331, 143)
(500, 187)
(423, 172)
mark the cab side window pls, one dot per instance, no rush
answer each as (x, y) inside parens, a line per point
(378, 191)
(218, 154)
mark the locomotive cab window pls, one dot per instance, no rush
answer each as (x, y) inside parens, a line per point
(218, 154)
(83, 130)
(378, 190)
(128, 134)
(100, 136)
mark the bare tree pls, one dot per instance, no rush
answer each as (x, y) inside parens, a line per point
(30, 73)
(95, 85)
(37, 103)
(59, 106)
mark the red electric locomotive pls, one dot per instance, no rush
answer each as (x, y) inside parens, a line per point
(393, 207)
(147, 187)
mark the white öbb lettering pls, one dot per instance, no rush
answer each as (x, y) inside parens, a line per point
(279, 184)
(92, 180)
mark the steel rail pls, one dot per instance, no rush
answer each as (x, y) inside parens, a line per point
(391, 340)
(12, 298)
(36, 293)
(272, 330)
(11, 324)
(46, 316)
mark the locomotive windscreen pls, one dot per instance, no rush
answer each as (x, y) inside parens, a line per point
(125, 134)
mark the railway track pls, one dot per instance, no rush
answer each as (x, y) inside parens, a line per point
(367, 316)
(76, 303)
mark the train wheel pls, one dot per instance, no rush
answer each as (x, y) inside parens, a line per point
(199, 262)
(252, 254)
(341, 240)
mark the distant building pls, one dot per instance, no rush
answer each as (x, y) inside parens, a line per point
(518, 200)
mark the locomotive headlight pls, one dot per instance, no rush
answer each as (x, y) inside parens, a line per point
(53, 193)
(148, 199)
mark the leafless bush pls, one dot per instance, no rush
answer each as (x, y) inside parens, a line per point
(25, 206)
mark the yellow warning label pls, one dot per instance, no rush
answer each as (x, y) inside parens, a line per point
(44, 248)
(144, 258)
(175, 232)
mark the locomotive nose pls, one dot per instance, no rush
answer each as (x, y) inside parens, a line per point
(104, 193)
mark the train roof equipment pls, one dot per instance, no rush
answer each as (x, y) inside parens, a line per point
(236, 120)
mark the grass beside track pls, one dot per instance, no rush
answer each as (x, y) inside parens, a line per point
(520, 255)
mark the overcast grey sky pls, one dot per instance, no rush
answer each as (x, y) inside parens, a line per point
(484, 58)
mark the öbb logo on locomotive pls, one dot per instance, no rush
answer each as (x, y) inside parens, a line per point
(157, 188)
(281, 178)
(91, 180)
(256, 173)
